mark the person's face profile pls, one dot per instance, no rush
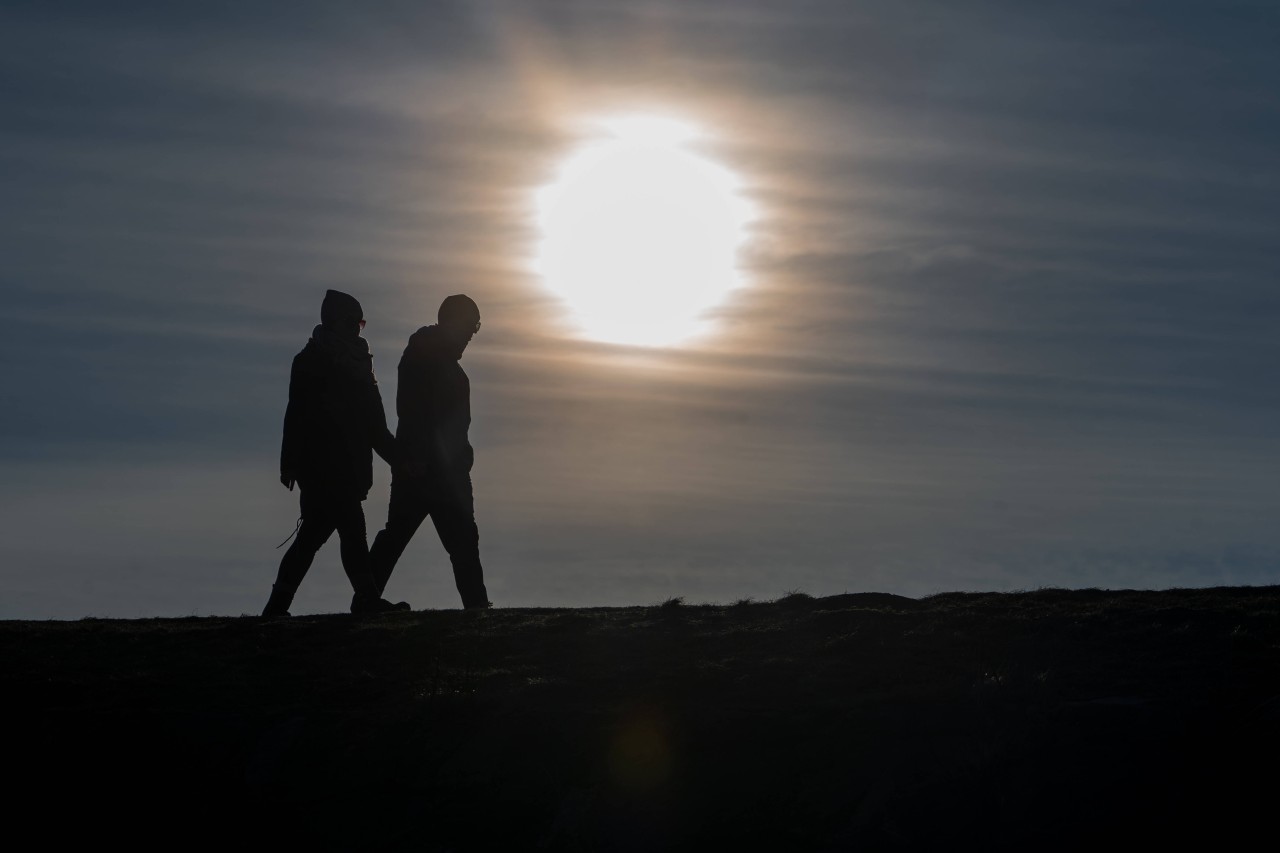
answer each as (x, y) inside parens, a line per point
(464, 328)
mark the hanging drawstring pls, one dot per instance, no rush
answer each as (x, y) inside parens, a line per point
(291, 535)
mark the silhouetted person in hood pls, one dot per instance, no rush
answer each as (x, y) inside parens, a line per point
(332, 425)
(433, 474)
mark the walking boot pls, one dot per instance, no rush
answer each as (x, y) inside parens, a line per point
(278, 604)
(370, 603)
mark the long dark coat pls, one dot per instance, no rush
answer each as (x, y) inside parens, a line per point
(333, 423)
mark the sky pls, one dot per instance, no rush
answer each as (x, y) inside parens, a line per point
(1005, 316)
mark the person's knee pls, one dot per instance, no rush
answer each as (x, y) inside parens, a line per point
(311, 540)
(402, 525)
(397, 526)
(354, 533)
(463, 548)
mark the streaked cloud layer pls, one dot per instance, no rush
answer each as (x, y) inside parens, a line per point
(1009, 322)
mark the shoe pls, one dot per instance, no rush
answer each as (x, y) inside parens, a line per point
(484, 606)
(361, 604)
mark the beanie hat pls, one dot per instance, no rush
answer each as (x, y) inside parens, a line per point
(458, 309)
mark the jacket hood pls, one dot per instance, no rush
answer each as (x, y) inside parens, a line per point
(340, 309)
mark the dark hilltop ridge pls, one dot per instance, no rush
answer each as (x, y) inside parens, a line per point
(1050, 719)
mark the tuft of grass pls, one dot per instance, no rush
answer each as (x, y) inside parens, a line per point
(672, 603)
(794, 596)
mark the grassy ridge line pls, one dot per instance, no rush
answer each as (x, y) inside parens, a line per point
(828, 723)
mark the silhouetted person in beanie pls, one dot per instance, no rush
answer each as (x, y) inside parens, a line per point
(332, 425)
(432, 476)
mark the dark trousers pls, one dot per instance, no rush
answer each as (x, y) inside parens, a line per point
(322, 514)
(452, 510)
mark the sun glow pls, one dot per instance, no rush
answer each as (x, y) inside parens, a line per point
(640, 236)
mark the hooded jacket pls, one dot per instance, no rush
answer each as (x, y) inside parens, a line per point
(433, 403)
(334, 420)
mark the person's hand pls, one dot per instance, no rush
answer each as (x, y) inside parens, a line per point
(287, 479)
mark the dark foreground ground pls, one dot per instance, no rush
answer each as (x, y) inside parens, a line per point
(1042, 720)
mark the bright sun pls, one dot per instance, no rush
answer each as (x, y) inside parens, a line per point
(639, 235)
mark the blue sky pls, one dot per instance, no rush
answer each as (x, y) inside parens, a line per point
(1008, 322)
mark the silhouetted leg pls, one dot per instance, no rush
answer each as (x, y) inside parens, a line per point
(455, 521)
(318, 524)
(407, 509)
(278, 603)
(354, 544)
